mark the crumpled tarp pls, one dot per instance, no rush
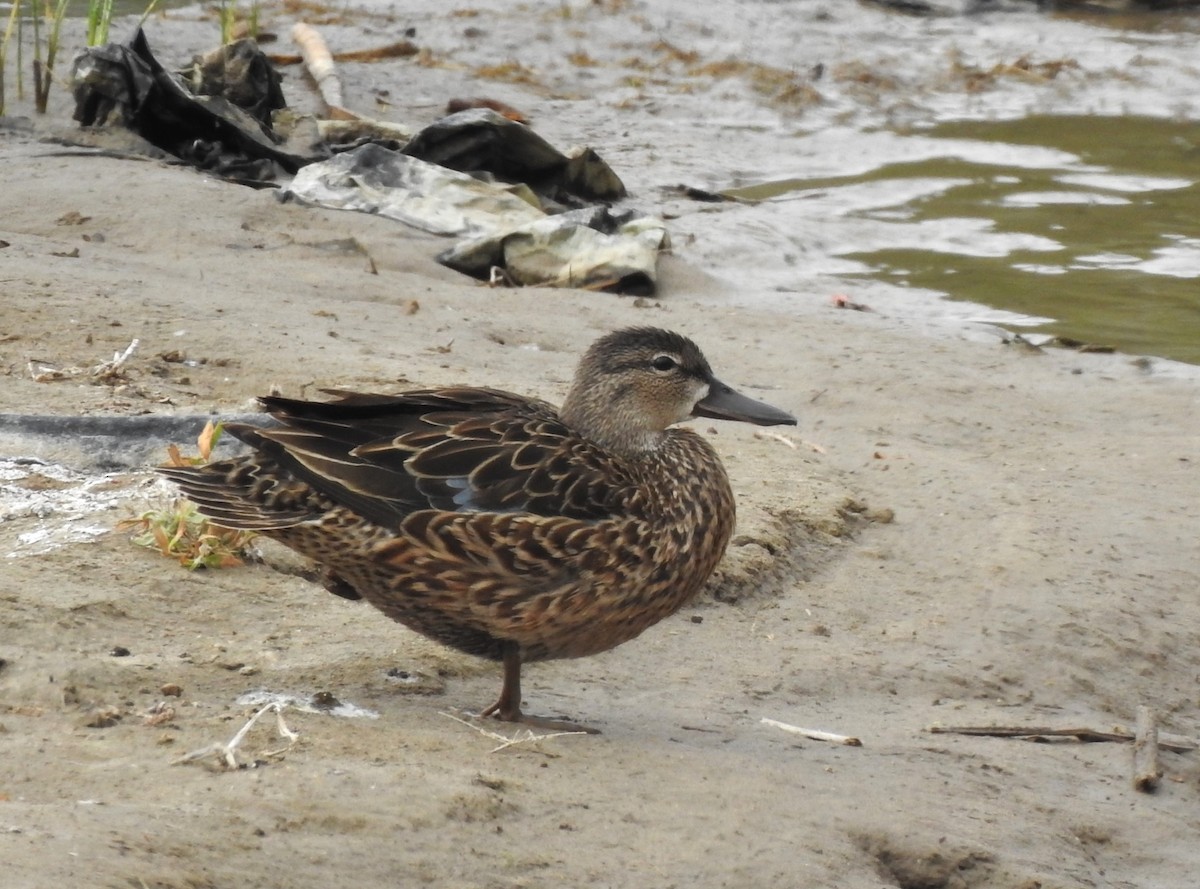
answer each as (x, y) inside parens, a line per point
(374, 179)
(481, 140)
(124, 84)
(590, 247)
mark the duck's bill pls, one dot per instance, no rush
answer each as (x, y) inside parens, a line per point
(724, 403)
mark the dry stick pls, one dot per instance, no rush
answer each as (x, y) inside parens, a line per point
(1146, 771)
(528, 736)
(106, 371)
(379, 53)
(225, 752)
(112, 368)
(1174, 743)
(319, 62)
(814, 734)
(774, 436)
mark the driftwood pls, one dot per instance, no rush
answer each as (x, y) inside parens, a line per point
(521, 735)
(813, 734)
(105, 372)
(1174, 743)
(226, 755)
(319, 62)
(397, 50)
(1146, 771)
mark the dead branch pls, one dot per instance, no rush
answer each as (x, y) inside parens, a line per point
(319, 62)
(109, 369)
(774, 436)
(1146, 771)
(105, 372)
(522, 736)
(225, 753)
(1174, 743)
(396, 50)
(813, 734)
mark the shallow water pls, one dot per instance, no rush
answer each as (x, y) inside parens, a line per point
(1118, 255)
(1088, 225)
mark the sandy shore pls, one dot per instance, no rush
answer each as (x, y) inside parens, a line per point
(1040, 571)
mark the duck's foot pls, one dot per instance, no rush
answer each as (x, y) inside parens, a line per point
(508, 706)
(514, 714)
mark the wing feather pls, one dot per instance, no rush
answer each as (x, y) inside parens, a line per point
(385, 457)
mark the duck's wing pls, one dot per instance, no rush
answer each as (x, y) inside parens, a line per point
(457, 450)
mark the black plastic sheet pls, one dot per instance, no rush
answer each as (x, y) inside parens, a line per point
(124, 84)
(479, 140)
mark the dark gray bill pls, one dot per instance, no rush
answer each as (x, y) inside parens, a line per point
(723, 403)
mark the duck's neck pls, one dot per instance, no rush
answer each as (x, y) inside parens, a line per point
(611, 425)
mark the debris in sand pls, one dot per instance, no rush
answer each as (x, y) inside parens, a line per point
(397, 50)
(814, 734)
(160, 713)
(523, 736)
(793, 443)
(841, 301)
(319, 62)
(319, 702)
(1146, 770)
(226, 754)
(775, 436)
(1174, 743)
(101, 717)
(501, 108)
(106, 371)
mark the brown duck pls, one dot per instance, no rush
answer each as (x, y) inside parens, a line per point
(494, 523)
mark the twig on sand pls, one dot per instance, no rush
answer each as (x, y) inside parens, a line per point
(1146, 770)
(109, 369)
(105, 371)
(763, 435)
(523, 736)
(1174, 743)
(319, 62)
(397, 50)
(774, 436)
(225, 753)
(814, 734)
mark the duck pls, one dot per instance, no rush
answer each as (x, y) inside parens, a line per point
(495, 523)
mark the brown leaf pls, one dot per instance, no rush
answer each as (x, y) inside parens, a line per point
(205, 441)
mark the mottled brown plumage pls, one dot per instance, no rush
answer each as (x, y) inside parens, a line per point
(495, 523)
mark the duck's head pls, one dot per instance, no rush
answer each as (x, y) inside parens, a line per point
(634, 383)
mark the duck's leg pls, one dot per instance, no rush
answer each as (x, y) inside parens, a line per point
(508, 706)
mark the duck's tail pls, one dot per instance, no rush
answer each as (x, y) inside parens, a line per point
(250, 493)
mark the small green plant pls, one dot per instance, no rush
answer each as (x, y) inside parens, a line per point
(5, 42)
(252, 20)
(227, 15)
(181, 532)
(99, 16)
(150, 7)
(43, 70)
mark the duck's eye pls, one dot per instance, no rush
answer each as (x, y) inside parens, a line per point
(664, 363)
